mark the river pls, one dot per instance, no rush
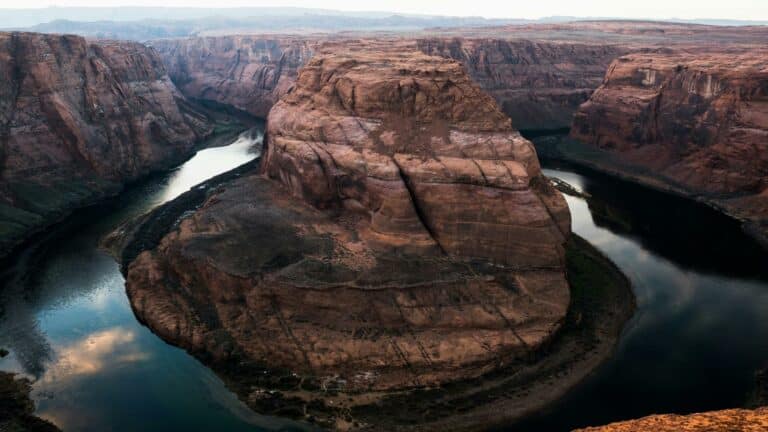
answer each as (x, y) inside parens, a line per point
(68, 325)
(694, 344)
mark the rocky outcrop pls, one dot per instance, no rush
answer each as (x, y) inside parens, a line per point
(401, 237)
(694, 122)
(79, 119)
(714, 421)
(540, 85)
(247, 72)
(16, 407)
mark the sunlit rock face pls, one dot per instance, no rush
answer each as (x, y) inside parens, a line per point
(247, 72)
(401, 236)
(540, 85)
(423, 154)
(78, 119)
(699, 120)
(714, 421)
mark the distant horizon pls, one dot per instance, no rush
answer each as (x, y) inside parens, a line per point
(651, 10)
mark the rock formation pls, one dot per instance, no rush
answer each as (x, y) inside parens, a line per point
(714, 421)
(247, 72)
(401, 236)
(539, 85)
(694, 122)
(79, 119)
(17, 409)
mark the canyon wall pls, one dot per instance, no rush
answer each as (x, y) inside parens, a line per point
(78, 120)
(694, 122)
(247, 72)
(539, 85)
(399, 235)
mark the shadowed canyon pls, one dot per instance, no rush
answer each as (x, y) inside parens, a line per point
(491, 226)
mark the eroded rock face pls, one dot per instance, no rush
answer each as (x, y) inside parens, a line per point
(539, 85)
(77, 120)
(713, 421)
(247, 72)
(697, 120)
(401, 236)
(411, 142)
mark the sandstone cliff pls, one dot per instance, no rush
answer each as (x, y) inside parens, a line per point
(540, 85)
(694, 122)
(247, 72)
(714, 421)
(402, 237)
(79, 119)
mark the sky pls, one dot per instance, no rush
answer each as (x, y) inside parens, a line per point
(685, 9)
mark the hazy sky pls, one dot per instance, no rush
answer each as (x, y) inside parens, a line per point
(719, 9)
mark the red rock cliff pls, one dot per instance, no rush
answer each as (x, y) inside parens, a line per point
(78, 119)
(540, 85)
(697, 121)
(415, 144)
(247, 72)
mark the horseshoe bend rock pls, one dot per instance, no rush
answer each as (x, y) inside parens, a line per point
(400, 235)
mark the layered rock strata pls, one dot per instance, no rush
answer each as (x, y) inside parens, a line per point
(401, 236)
(79, 119)
(246, 72)
(539, 85)
(714, 421)
(693, 122)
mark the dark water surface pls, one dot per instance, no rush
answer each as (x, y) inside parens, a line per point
(67, 322)
(699, 335)
(700, 331)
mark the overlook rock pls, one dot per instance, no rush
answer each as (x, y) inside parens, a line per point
(400, 235)
(694, 122)
(79, 119)
(729, 420)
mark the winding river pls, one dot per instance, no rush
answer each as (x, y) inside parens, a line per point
(695, 343)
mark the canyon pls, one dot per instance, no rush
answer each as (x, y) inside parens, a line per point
(695, 123)
(399, 216)
(396, 259)
(80, 119)
(539, 85)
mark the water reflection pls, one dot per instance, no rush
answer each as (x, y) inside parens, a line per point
(66, 320)
(700, 331)
(92, 354)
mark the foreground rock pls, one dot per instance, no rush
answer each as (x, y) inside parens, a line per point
(78, 120)
(715, 421)
(16, 408)
(400, 241)
(695, 123)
